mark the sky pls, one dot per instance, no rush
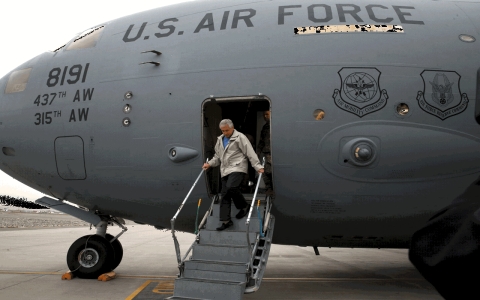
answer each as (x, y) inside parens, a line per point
(31, 27)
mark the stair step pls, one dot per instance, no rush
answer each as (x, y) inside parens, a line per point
(211, 275)
(226, 253)
(248, 197)
(216, 266)
(234, 211)
(226, 237)
(215, 270)
(208, 289)
(238, 225)
(260, 196)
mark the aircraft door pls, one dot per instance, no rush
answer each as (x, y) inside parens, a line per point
(70, 158)
(212, 115)
(247, 114)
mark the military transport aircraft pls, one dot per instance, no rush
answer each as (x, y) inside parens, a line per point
(374, 120)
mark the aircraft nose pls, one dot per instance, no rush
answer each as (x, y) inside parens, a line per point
(17, 80)
(13, 88)
(3, 82)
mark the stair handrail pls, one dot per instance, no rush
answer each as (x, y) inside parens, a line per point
(253, 250)
(262, 260)
(247, 223)
(172, 221)
(197, 237)
(263, 229)
(268, 207)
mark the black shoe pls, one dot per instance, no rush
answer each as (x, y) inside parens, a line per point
(225, 225)
(242, 213)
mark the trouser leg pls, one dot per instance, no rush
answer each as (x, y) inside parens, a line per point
(233, 185)
(231, 191)
(267, 178)
(225, 203)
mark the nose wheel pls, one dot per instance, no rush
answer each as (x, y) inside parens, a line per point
(92, 255)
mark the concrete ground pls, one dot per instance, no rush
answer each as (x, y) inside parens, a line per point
(32, 262)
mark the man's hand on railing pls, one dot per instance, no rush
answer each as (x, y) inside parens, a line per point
(261, 171)
(205, 166)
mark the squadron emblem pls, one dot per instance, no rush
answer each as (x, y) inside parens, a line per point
(441, 95)
(360, 92)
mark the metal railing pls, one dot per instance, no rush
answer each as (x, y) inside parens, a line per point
(197, 238)
(268, 207)
(172, 222)
(257, 268)
(247, 223)
(254, 270)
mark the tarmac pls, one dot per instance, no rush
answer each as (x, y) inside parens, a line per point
(32, 262)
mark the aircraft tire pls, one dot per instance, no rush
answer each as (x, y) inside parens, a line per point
(117, 249)
(90, 256)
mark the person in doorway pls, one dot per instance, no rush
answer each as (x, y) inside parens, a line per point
(246, 186)
(264, 150)
(231, 152)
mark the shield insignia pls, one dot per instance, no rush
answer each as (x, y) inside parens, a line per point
(360, 92)
(441, 95)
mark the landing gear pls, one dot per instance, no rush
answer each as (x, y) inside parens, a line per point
(93, 255)
(117, 249)
(90, 256)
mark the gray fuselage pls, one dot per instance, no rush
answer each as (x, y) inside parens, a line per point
(74, 143)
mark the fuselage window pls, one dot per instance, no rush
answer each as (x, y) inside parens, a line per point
(17, 82)
(87, 39)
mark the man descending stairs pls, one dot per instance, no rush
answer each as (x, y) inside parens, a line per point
(226, 264)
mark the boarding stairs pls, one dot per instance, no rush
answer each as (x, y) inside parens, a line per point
(226, 264)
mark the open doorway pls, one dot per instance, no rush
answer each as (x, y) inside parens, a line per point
(247, 114)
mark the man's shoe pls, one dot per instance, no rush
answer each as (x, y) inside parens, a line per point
(242, 213)
(225, 225)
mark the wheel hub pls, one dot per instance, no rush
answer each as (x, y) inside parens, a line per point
(88, 257)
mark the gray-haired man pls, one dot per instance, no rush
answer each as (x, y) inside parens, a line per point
(231, 152)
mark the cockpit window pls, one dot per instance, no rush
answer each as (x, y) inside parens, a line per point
(18, 81)
(86, 39)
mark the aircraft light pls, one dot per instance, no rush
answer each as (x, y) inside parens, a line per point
(363, 153)
(360, 152)
(403, 109)
(128, 95)
(319, 114)
(467, 38)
